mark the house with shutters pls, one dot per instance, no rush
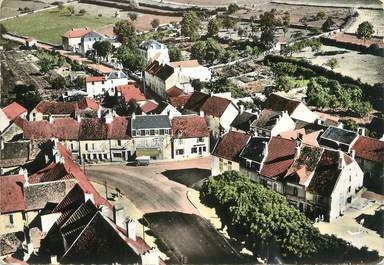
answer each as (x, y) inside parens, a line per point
(158, 78)
(190, 137)
(272, 123)
(152, 136)
(71, 39)
(152, 50)
(98, 86)
(317, 181)
(226, 153)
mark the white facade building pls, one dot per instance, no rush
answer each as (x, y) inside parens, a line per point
(153, 50)
(99, 85)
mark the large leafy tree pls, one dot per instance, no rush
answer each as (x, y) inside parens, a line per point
(103, 48)
(328, 24)
(190, 25)
(131, 59)
(175, 54)
(213, 27)
(256, 217)
(208, 51)
(365, 30)
(126, 33)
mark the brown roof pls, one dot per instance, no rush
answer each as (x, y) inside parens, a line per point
(230, 145)
(11, 194)
(56, 107)
(278, 103)
(280, 155)
(326, 174)
(88, 103)
(189, 63)
(66, 129)
(76, 33)
(179, 101)
(196, 101)
(162, 71)
(35, 130)
(369, 148)
(131, 92)
(90, 79)
(149, 106)
(14, 110)
(189, 126)
(119, 128)
(93, 129)
(215, 106)
(174, 91)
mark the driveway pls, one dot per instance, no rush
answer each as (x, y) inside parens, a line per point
(149, 188)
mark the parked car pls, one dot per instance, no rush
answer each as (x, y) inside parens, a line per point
(142, 160)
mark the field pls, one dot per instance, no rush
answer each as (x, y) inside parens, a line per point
(50, 25)
(376, 17)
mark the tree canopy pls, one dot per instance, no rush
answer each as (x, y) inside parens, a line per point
(175, 54)
(256, 217)
(190, 25)
(328, 24)
(225, 85)
(214, 27)
(208, 51)
(103, 48)
(125, 33)
(365, 30)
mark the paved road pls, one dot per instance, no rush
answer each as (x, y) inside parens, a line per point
(147, 187)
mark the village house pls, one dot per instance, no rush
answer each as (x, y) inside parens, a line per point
(307, 133)
(98, 86)
(296, 110)
(272, 123)
(369, 154)
(317, 181)
(148, 106)
(226, 152)
(195, 101)
(339, 139)
(192, 70)
(152, 136)
(46, 110)
(153, 50)
(243, 120)
(72, 38)
(219, 113)
(130, 92)
(158, 78)
(15, 110)
(190, 137)
(162, 108)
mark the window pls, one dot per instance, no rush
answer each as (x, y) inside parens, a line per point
(86, 147)
(10, 220)
(350, 177)
(220, 159)
(146, 132)
(119, 142)
(194, 150)
(204, 148)
(229, 165)
(180, 141)
(117, 155)
(200, 140)
(142, 132)
(93, 83)
(156, 132)
(133, 132)
(102, 82)
(152, 132)
(295, 191)
(161, 131)
(93, 146)
(349, 189)
(180, 152)
(248, 164)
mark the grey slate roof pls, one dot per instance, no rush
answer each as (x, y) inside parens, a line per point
(14, 154)
(254, 149)
(150, 122)
(339, 135)
(266, 120)
(243, 121)
(196, 101)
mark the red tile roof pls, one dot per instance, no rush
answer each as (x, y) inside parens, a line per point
(88, 103)
(179, 101)
(11, 194)
(119, 128)
(34, 130)
(66, 129)
(93, 129)
(12, 260)
(369, 148)
(278, 103)
(76, 33)
(189, 63)
(230, 145)
(280, 155)
(215, 106)
(56, 107)
(90, 79)
(174, 91)
(14, 110)
(131, 92)
(189, 127)
(149, 106)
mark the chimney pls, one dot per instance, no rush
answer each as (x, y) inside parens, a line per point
(131, 228)
(99, 112)
(341, 160)
(1, 143)
(353, 153)
(114, 214)
(241, 107)
(108, 118)
(89, 196)
(150, 257)
(318, 122)
(54, 259)
(265, 149)
(133, 116)
(298, 147)
(24, 172)
(78, 118)
(361, 131)
(50, 118)
(201, 113)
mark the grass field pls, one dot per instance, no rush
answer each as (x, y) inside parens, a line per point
(50, 25)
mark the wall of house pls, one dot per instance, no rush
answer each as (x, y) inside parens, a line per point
(303, 113)
(72, 44)
(34, 115)
(94, 149)
(228, 116)
(283, 124)
(373, 174)
(121, 150)
(88, 41)
(191, 147)
(162, 143)
(17, 223)
(220, 165)
(349, 182)
(171, 111)
(99, 88)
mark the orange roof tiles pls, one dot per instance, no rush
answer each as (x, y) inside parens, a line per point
(189, 127)
(215, 106)
(14, 110)
(369, 148)
(189, 63)
(131, 92)
(90, 79)
(76, 33)
(11, 194)
(230, 145)
(149, 106)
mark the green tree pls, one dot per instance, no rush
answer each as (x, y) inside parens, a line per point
(214, 51)
(103, 48)
(132, 16)
(213, 27)
(131, 59)
(286, 22)
(175, 54)
(58, 82)
(190, 25)
(320, 15)
(350, 125)
(328, 24)
(256, 216)
(125, 33)
(225, 85)
(155, 23)
(365, 30)
(82, 12)
(198, 51)
(68, 10)
(228, 22)
(267, 38)
(268, 20)
(332, 63)
(79, 82)
(232, 8)
(27, 96)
